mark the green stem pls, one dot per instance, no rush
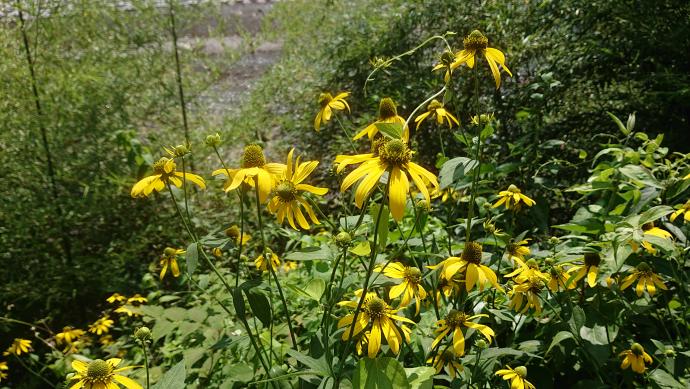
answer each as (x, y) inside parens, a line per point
(475, 178)
(476, 366)
(347, 133)
(146, 362)
(30, 370)
(184, 190)
(178, 76)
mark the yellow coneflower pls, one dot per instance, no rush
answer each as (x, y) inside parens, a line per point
(289, 266)
(68, 335)
(445, 62)
(382, 318)
(3, 370)
(513, 199)
(589, 268)
(106, 340)
(137, 299)
(116, 298)
(635, 357)
(124, 310)
(448, 361)
(253, 171)
(262, 264)
(645, 278)
(101, 326)
(526, 295)
(476, 44)
(329, 103)
(169, 259)
(517, 251)
(287, 198)
(388, 113)
(409, 288)
(516, 376)
(648, 230)
(446, 194)
(558, 278)
(527, 270)
(453, 323)
(469, 264)
(164, 174)
(100, 374)
(234, 233)
(393, 156)
(18, 347)
(437, 110)
(683, 210)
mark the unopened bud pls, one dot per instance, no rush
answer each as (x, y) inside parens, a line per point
(213, 140)
(343, 239)
(142, 334)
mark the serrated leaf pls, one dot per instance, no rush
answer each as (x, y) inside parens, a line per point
(173, 378)
(391, 130)
(379, 373)
(192, 258)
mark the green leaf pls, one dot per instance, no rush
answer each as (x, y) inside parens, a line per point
(316, 253)
(487, 131)
(173, 378)
(260, 306)
(655, 213)
(597, 334)
(391, 130)
(619, 123)
(453, 170)
(319, 366)
(561, 336)
(380, 373)
(238, 303)
(192, 258)
(577, 320)
(382, 232)
(665, 380)
(362, 249)
(315, 288)
(420, 377)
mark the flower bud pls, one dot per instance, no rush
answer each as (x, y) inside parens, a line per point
(142, 334)
(213, 140)
(343, 239)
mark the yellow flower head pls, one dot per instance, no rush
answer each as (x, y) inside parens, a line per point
(101, 374)
(116, 298)
(101, 326)
(683, 210)
(476, 44)
(18, 347)
(169, 259)
(234, 233)
(3, 369)
(287, 198)
(123, 310)
(436, 109)
(517, 251)
(445, 61)
(262, 264)
(411, 286)
(513, 199)
(589, 268)
(649, 230)
(448, 361)
(453, 323)
(637, 358)
(394, 157)
(469, 264)
(645, 277)
(382, 318)
(527, 270)
(137, 299)
(164, 175)
(526, 295)
(517, 377)
(289, 266)
(329, 103)
(254, 171)
(388, 113)
(68, 335)
(558, 279)
(106, 340)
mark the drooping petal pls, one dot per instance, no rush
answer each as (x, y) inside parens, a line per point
(397, 193)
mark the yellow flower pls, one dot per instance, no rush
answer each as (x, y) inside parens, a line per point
(517, 251)
(645, 278)
(106, 340)
(116, 298)
(445, 62)
(382, 318)
(590, 268)
(234, 233)
(262, 264)
(683, 210)
(469, 264)
(648, 229)
(446, 194)
(124, 310)
(635, 357)
(484, 118)
(388, 113)
(527, 270)
(436, 109)
(409, 288)
(164, 175)
(169, 259)
(526, 295)
(477, 44)
(513, 199)
(516, 376)
(448, 361)
(3, 369)
(287, 200)
(137, 299)
(329, 103)
(558, 278)
(392, 156)
(253, 168)
(68, 335)
(101, 326)
(100, 374)
(18, 347)
(453, 322)
(289, 266)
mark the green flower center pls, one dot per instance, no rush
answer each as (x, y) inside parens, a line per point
(637, 349)
(413, 275)
(513, 189)
(159, 166)
(232, 232)
(475, 41)
(286, 191)
(521, 371)
(455, 318)
(395, 153)
(376, 307)
(253, 156)
(324, 99)
(472, 252)
(532, 264)
(387, 109)
(98, 370)
(447, 58)
(592, 259)
(434, 105)
(169, 252)
(647, 226)
(644, 267)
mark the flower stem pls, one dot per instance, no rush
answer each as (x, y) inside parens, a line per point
(178, 75)
(146, 362)
(347, 133)
(33, 372)
(475, 178)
